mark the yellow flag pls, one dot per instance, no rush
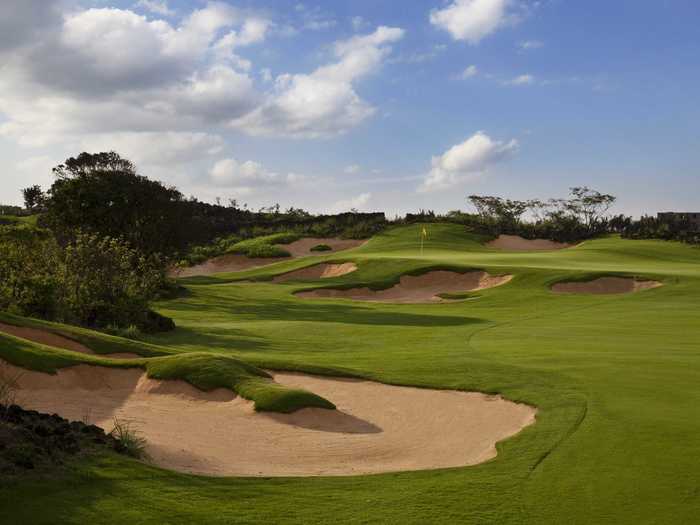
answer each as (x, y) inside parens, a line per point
(424, 233)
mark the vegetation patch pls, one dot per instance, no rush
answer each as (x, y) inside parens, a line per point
(265, 246)
(321, 248)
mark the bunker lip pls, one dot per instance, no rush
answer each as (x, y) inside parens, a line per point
(48, 338)
(424, 288)
(515, 243)
(317, 271)
(604, 285)
(219, 434)
(234, 262)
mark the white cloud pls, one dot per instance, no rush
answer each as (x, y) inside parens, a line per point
(324, 102)
(156, 149)
(352, 169)
(112, 70)
(249, 176)
(521, 80)
(469, 72)
(159, 7)
(354, 203)
(466, 160)
(314, 19)
(472, 20)
(527, 45)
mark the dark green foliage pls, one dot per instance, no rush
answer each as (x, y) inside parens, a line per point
(93, 281)
(265, 246)
(654, 228)
(102, 194)
(321, 248)
(33, 197)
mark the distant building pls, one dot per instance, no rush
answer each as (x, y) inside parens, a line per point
(692, 219)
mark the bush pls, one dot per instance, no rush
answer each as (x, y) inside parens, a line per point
(128, 439)
(321, 248)
(265, 246)
(93, 281)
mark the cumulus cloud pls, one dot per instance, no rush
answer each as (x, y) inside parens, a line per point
(113, 70)
(156, 149)
(352, 169)
(248, 176)
(324, 102)
(466, 160)
(358, 202)
(472, 20)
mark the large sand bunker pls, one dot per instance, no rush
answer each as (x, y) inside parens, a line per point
(516, 243)
(377, 427)
(605, 285)
(317, 271)
(45, 337)
(423, 288)
(233, 262)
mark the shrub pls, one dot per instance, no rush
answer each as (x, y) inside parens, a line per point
(128, 439)
(265, 246)
(321, 248)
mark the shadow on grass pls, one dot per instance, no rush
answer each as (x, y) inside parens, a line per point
(275, 310)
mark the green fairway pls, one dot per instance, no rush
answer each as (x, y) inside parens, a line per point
(615, 378)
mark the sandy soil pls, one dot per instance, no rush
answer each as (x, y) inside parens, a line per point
(417, 289)
(318, 271)
(605, 285)
(45, 337)
(235, 263)
(377, 427)
(515, 243)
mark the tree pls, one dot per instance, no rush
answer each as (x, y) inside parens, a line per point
(504, 211)
(101, 193)
(590, 206)
(33, 197)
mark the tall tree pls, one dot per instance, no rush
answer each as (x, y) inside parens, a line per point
(102, 193)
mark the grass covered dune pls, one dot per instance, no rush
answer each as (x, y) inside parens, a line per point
(614, 378)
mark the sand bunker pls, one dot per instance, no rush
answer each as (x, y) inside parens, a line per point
(318, 271)
(302, 247)
(605, 285)
(235, 262)
(45, 337)
(417, 288)
(377, 427)
(516, 243)
(231, 262)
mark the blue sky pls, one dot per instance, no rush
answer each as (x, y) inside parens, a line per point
(376, 105)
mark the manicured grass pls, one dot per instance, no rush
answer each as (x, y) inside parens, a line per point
(615, 379)
(203, 370)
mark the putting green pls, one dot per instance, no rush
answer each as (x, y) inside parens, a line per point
(615, 379)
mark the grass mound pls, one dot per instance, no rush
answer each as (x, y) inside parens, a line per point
(206, 371)
(265, 246)
(209, 371)
(321, 248)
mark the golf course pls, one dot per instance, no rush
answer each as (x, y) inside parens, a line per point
(596, 389)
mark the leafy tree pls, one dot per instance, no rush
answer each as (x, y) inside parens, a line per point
(101, 193)
(106, 282)
(590, 206)
(33, 197)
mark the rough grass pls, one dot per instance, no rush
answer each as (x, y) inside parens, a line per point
(615, 379)
(265, 246)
